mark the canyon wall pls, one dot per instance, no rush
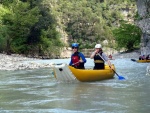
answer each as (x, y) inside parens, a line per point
(143, 7)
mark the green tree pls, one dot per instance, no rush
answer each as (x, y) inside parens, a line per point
(17, 24)
(127, 36)
(43, 36)
(34, 25)
(90, 21)
(3, 11)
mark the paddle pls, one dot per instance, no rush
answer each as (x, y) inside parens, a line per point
(75, 63)
(133, 60)
(119, 77)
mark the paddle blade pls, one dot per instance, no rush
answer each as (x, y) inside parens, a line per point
(133, 60)
(121, 78)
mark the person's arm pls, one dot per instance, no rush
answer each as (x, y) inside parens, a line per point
(70, 64)
(93, 54)
(82, 57)
(106, 59)
(109, 63)
(71, 61)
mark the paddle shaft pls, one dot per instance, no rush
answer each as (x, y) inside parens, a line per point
(106, 61)
(109, 65)
(76, 63)
(114, 71)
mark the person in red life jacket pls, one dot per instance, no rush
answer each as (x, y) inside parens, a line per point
(99, 57)
(77, 58)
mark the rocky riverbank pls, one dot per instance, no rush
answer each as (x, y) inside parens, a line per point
(18, 62)
(134, 54)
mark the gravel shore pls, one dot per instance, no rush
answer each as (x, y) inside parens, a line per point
(18, 62)
(134, 55)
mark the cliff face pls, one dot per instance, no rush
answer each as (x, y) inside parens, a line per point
(143, 7)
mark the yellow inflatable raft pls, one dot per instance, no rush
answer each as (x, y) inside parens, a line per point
(68, 73)
(143, 61)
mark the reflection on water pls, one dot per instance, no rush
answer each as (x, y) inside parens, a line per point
(38, 91)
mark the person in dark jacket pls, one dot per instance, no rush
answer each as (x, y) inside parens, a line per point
(99, 57)
(148, 57)
(77, 58)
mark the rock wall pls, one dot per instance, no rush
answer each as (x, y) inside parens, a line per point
(143, 7)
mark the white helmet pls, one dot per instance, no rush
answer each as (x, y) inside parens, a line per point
(98, 46)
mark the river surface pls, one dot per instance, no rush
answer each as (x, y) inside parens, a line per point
(37, 91)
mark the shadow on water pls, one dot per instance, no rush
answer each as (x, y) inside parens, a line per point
(38, 91)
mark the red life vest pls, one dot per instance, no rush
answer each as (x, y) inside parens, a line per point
(75, 59)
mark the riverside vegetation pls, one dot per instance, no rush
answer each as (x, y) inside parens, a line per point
(44, 28)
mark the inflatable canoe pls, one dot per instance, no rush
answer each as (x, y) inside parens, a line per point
(69, 73)
(141, 61)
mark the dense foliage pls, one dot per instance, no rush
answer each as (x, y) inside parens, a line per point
(27, 27)
(127, 36)
(91, 21)
(36, 27)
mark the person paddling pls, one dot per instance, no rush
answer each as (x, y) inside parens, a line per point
(99, 57)
(77, 58)
(148, 57)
